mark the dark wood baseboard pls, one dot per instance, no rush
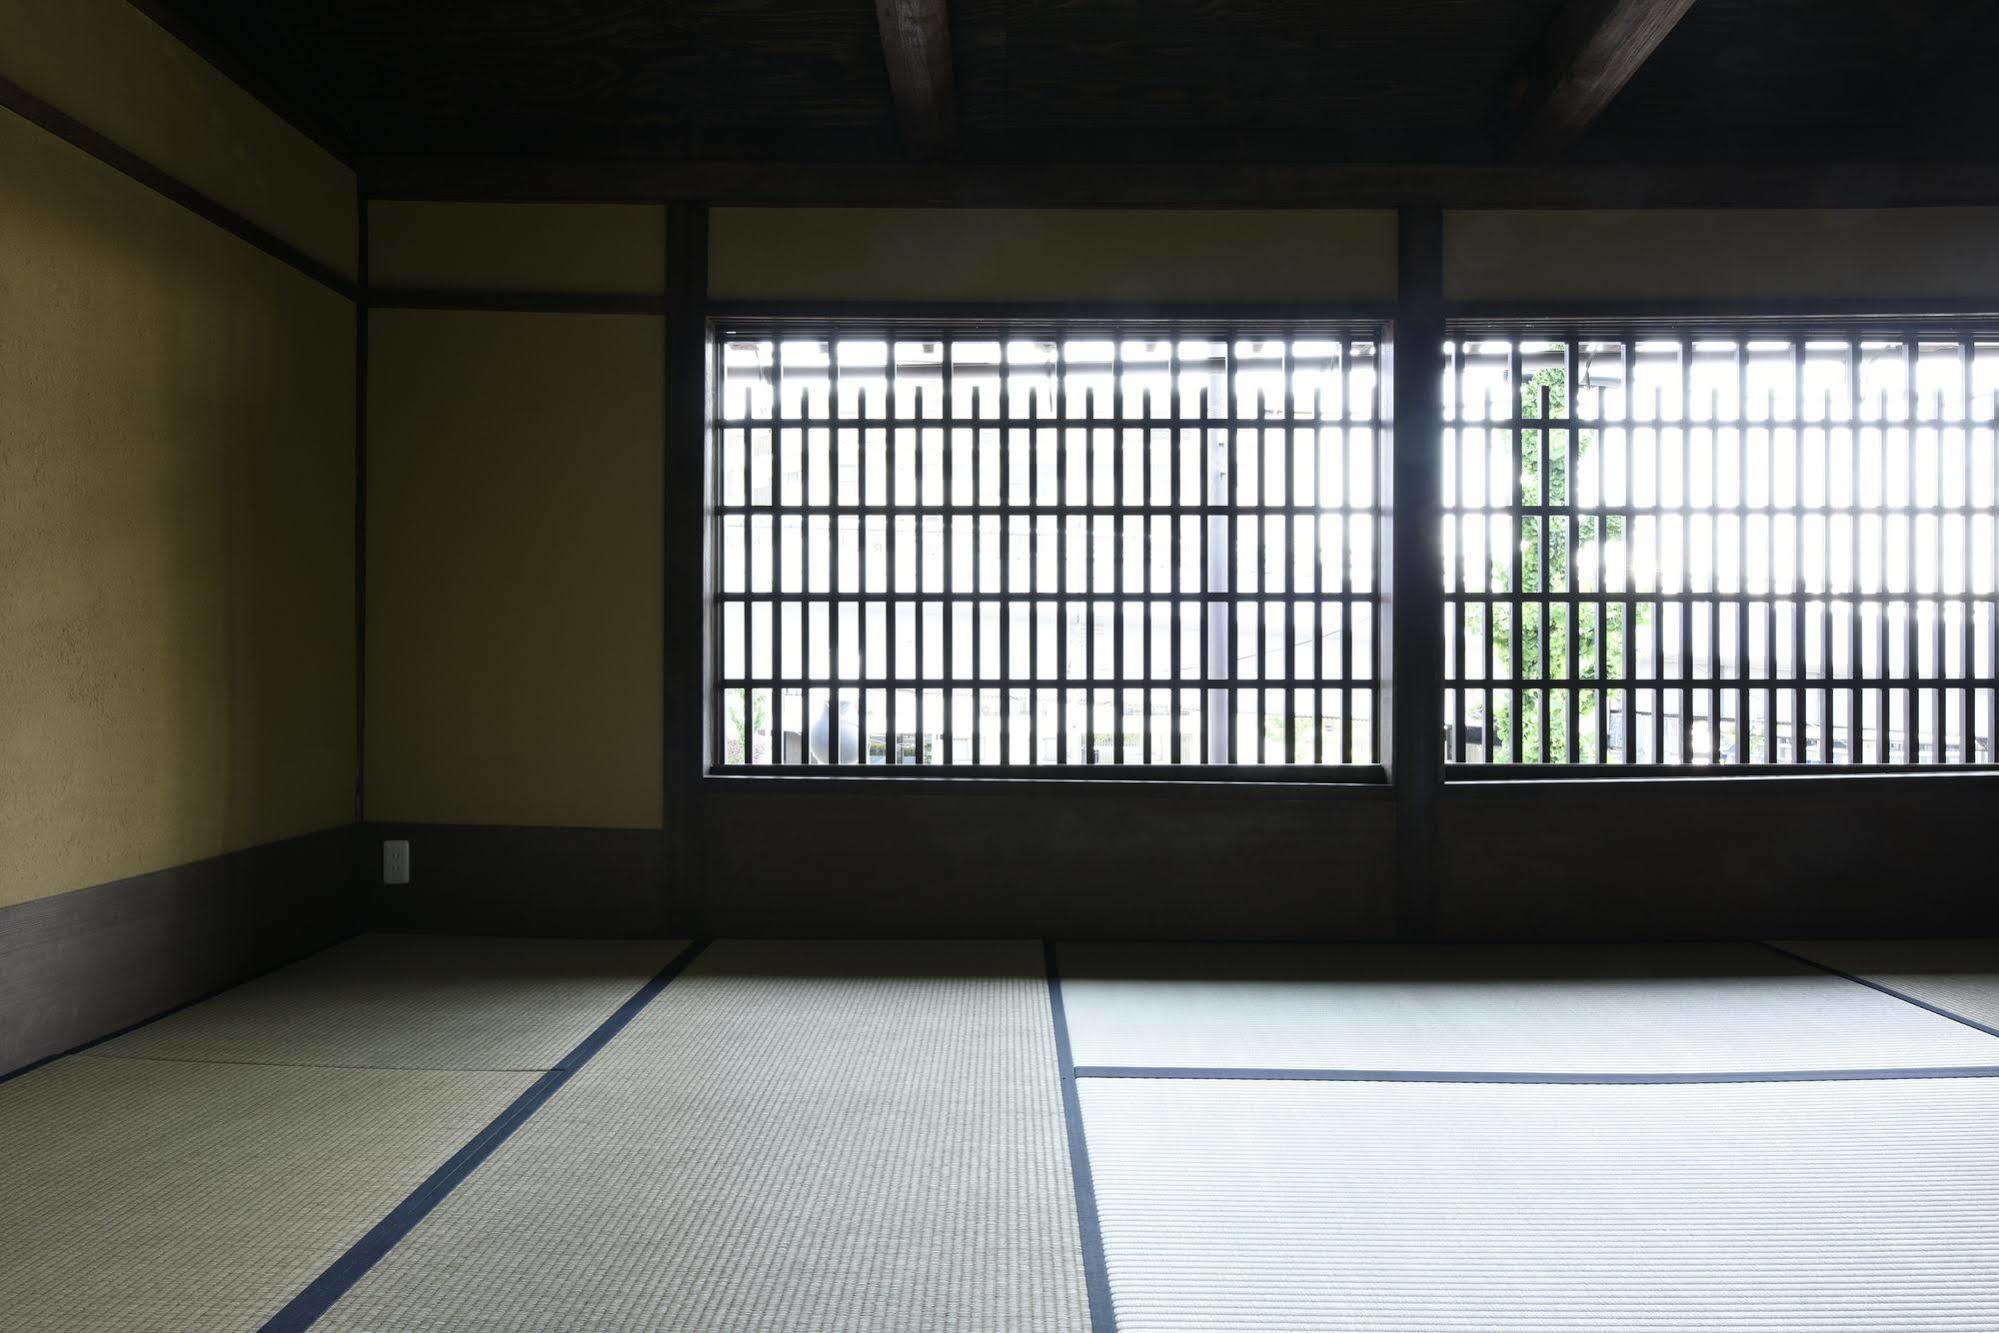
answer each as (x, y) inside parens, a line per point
(1229, 864)
(492, 879)
(1671, 859)
(78, 966)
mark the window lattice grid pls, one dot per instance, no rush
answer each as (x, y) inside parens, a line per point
(1074, 545)
(1765, 549)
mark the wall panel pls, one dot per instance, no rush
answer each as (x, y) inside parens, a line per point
(176, 532)
(514, 514)
(881, 254)
(1721, 254)
(593, 248)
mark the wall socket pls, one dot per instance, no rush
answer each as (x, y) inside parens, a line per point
(395, 861)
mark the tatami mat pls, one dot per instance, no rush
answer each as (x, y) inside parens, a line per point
(413, 1002)
(163, 1197)
(792, 1136)
(1421, 1208)
(1959, 975)
(1638, 1009)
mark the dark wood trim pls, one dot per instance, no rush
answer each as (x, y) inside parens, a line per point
(169, 1011)
(1589, 315)
(1365, 783)
(684, 754)
(527, 303)
(916, 46)
(80, 136)
(1355, 315)
(1185, 185)
(1412, 578)
(1591, 50)
(197, 38)
(1551, 782)
(79, 966)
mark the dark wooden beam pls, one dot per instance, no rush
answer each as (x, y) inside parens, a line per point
(15, 98)
(916, 42)
(684, 564)
(1183, 185)
(1592, 49)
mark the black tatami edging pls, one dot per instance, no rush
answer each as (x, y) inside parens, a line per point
(1936, 1009)
(1096, 1272)
(1171, 1072)
(320, 1295)
(1072, 1071)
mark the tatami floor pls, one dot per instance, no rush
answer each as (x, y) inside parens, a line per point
(409, 1134)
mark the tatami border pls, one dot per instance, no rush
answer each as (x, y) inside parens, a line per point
(320, 1295)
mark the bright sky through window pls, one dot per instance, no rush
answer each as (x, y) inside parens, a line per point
(1755, 550)
(1066, 546)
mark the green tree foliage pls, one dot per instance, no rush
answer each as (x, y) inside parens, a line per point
(738, 734)
(1556, 553)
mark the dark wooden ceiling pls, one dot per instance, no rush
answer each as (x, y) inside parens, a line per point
(1106, 80)
(1858, 80)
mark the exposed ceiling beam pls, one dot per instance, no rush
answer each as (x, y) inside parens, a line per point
(916, 42)
(1185, 185)
(1591, 50)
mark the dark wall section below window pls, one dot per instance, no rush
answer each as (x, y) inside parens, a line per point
(1070, 863)
(1077, 861)
(529, 880)
(1663, 859)
(1731, 858)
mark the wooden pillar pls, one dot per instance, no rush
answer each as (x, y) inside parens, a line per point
(1413, 581)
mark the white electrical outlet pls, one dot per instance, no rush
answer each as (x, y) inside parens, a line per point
(395, 861)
